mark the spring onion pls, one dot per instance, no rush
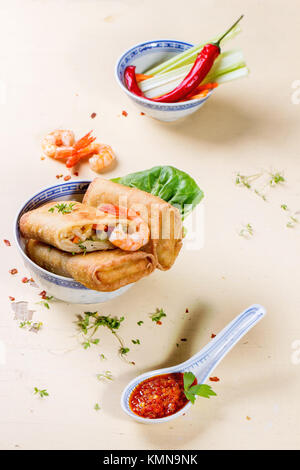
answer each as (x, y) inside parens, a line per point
(229, 66)
(188, 56)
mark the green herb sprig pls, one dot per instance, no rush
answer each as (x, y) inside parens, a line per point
(136, 341)
(276, 178)
(247, 231)
(45, 301)
(158, 315)
(87, 344)
(268, 179)
(191, 391)
(107, 375)
(32, 326)
(42, 393)
(89, 322)
(292, 219)
(23, 324)
(63, 208)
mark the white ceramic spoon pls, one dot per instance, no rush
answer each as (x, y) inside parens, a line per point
(204, 362)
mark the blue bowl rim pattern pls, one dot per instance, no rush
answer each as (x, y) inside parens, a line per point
(166, 44)
(74, 187)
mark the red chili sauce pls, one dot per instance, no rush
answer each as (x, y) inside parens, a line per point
(159, 396)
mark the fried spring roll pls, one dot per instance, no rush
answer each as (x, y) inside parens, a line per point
(102, 271)
(70, 226)
(163, 219)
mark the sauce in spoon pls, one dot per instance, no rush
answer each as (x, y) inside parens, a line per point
(159, 396)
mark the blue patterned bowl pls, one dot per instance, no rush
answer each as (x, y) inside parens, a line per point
(144, 56)
(60, 287)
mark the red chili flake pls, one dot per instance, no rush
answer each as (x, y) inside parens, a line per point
(13, 271)
(76, 173)
(11, 298)
(214, 379)
(67, 178)
(59, 176)
(186, 310)
(43, 293)
(142, 114)
(183, 339)
(31, 279)
(159, 322)
(25, 280)
(93, 115)
(213, 335)
(7, 242)
(124, 113)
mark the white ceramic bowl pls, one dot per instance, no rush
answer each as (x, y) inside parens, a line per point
(144, 56)
(63, 288)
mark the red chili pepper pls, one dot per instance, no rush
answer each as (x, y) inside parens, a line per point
(204, 62)
(199, 71)
(130, 81)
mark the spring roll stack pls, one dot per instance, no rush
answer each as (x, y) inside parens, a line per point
(63, 237)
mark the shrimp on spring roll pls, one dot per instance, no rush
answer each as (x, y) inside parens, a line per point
(75, 227)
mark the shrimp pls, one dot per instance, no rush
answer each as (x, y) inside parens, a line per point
(61, 145)
(101, 155)
(138, 232)
(58, 144)
(102, 158)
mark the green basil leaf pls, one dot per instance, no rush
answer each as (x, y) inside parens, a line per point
(170, 184)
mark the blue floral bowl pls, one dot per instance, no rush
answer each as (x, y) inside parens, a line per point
(60, 287)
(144, 56)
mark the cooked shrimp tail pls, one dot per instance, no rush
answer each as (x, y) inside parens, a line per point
(80, 148)
(84, 141)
